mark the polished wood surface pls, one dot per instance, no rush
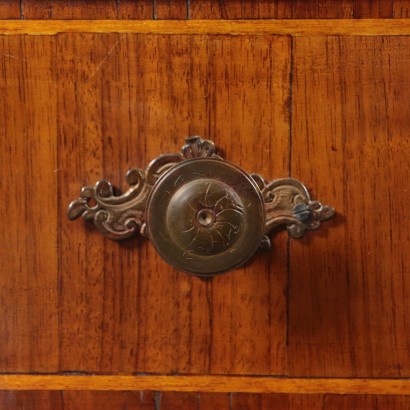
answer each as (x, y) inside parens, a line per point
(208, 383)
(349, 305)
(295, 28)
(298, 9)
(29, 236)
(120, 307)
(139, 400)
(318, 402)
(205, 9)
(10, 9)
(324, 101)
(111, 308)
(164, 320)
(72, 400)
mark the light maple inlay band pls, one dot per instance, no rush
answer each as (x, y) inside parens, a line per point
(216, 384)
(365, 27)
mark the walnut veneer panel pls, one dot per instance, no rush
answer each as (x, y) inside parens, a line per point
(299, 9)
(278, 9)
(57, 9)
(80, 107)
(72, 400)
(130, 99)
(71, 9)
(100, 9)
(171, 9)
(349, 304)
(131, 9)
(318, 402)
(203, 9)
(34, 9)
(193, 401)
(140, 400)
(29, 230)
(10, 9)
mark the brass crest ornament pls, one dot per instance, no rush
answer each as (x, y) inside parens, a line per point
(204, 215)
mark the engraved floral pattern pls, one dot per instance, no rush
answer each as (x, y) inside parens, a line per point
(122, 216)
(214, 220)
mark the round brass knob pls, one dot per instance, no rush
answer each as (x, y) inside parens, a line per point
(205, 216)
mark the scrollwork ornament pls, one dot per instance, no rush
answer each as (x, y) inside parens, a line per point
(204, 215)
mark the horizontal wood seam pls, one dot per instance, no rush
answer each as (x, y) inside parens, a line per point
(365, 27)
(216, 384)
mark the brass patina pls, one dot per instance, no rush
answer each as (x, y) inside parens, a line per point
(204, 215)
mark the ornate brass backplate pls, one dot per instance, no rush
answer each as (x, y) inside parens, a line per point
(204, 215)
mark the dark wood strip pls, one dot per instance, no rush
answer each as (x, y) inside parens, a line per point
(203, 9)
(76, 400)
(373, 9)
(136, 9)
(145, 400)
(104, 400)
(299, 9)
(401, 9)
(178, 400)
(10, 9)
(242, 401)
(84, 9)
(37, 10)
(171, 9)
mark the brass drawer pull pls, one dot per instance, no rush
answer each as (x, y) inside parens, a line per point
(204, 215)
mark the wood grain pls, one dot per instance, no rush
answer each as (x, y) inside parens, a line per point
(29, 235)
(34, 9)
(212, 401)
(318, 402)
(276, 9)
(84, 9)
(299, 9)
(135, 10)
(81, 138)
(252, 334)
(401, 9)
(163, 320)
(73, 400)
(49, 10)
(178, 400)
(243, 401)
(363, 27)
(364, 402)
(107, 289)
(103, 400)
(25, 400)
(349, 283)
(208, 383)
(139, 400)
(171, 9)
(10, 9)
(69, 400)
(373, 9)
(204, 9)
(76, 107)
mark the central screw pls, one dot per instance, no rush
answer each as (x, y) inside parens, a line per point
(205, 217)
